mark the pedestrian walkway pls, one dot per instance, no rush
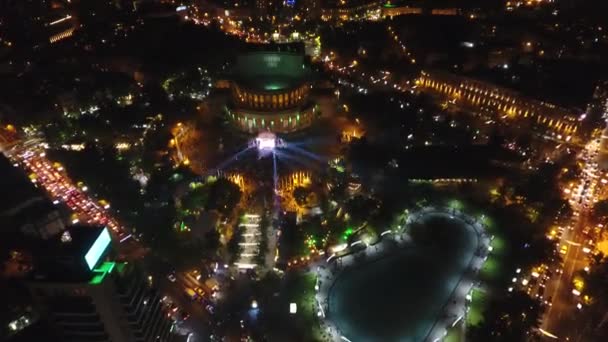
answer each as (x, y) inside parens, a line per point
(454, 309)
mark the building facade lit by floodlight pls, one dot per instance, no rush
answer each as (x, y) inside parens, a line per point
(270, 91)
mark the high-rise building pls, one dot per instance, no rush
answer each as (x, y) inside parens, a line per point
(89, 297)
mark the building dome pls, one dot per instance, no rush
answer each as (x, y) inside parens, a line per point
(270, 92)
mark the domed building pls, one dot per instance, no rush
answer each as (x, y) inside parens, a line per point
(270, 91)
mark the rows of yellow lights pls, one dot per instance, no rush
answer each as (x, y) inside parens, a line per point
(580, 195)
(294, 180)
(237, 179)
(64, 34)
(510, 105)
(581, 198)
(52, 177)
(401, 45)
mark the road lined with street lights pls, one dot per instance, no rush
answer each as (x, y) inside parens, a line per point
(53, 178)
(560, 320)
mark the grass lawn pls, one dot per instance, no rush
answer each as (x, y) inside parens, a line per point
(302, 292)
(490, 268)
(478, 303)
(454, 334)
(498, 245)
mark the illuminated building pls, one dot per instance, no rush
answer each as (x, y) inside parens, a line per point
(506, 103)
(344, 10)
(270, 92)
(413, 7)
(390, 10)
(445, 11)
(61, 26)
(91, 298)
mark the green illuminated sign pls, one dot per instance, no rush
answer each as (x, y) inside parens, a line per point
(101, 272)
(348, 232)
(98, 248)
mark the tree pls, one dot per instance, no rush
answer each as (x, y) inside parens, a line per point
(196, 199)
(223, 196)
(299, 194)
(600, 211)
(541, 185)
(508, 318)
(233, 245)
(211, 242)
(360, 209)
(595, 314)
(107, 176)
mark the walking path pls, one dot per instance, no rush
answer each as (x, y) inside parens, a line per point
(453, 311)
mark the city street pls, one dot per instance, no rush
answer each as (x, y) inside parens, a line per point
(62, 190)
(560, 317)
(292, 171)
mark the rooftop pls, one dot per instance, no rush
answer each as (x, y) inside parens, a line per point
(270, 70)
(73, 255)
(15, 183)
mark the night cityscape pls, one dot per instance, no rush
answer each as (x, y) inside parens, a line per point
(303, 170)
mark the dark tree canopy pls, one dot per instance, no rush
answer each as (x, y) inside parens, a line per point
(508, 318)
